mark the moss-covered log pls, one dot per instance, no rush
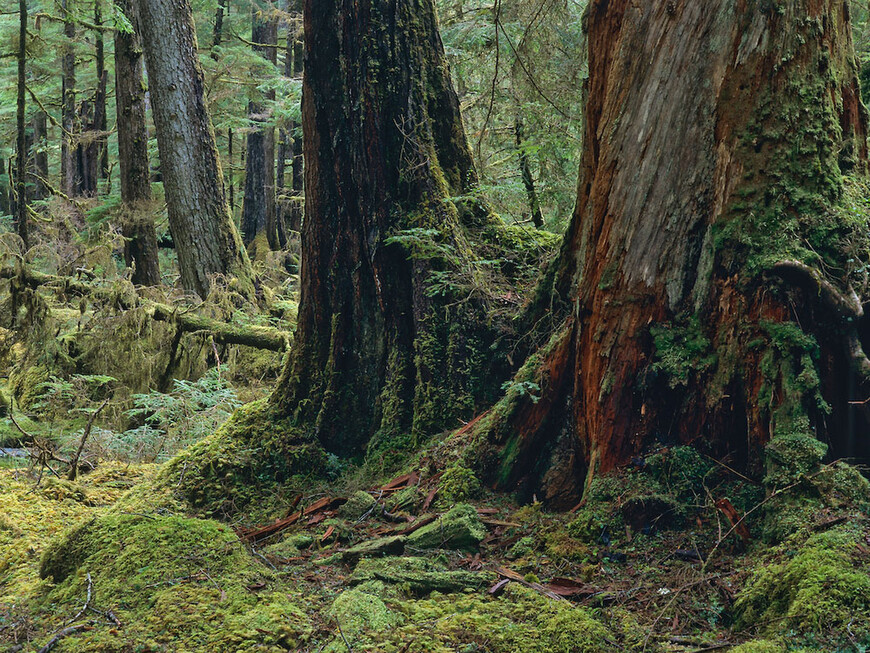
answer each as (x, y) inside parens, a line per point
(224, 333)
(719, 136)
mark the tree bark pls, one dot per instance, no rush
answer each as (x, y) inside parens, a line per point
(68, 109)
(376, 352)
(202, 228)
(21, 164)
(258, 208)
(140, 247)
(716, 136)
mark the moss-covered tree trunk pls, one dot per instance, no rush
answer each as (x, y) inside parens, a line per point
(140, 244)
(205, 237)
(705, 283)
(377, 353)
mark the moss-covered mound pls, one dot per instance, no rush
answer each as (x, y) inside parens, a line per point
(250, 465)
(175, 583)
(374, 618)
(817, 589)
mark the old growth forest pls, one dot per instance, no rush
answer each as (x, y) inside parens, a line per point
(507, 326)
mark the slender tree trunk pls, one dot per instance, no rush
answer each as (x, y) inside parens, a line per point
(376, 353)
(232, 172)
(716, 134)
(39, 156)
(100, 117)
(218, 34)
(21, 165)
(258, 209)
(526, 174)
(68, 109)
(140, 248)
(202, 228)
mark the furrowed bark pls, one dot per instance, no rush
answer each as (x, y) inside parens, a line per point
(716, 133)
(205, 237)
(140, 247)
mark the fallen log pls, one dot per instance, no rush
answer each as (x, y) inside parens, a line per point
(258, 337)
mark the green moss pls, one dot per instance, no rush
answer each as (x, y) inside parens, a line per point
(458, 483)
(245, 466)
(792, 454)
(358, 506)
(820, 587)
(172, 581)
(459, 528)
(360, 613)
(63, 490)
(681, 350)
(681, 470)
(418, 576)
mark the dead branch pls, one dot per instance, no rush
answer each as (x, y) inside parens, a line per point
(74, 461)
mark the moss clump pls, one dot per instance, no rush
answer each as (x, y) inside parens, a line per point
(63, 490)
(521, 621)
(459, 528)
(358, 506)
(818, 588)
(681, 471)
(791, 455)
(458, 483)
(360, 613)
(241, 468)
(418, 576)
(681, 350)
(176, 583)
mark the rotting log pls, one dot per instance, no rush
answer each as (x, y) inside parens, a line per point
(258, 337)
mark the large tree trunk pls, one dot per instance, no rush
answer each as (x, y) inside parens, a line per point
(140, 247)
(716, 135)
(258, 208)
(202, 228)
(375, 353)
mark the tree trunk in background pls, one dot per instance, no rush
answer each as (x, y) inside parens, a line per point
(87, 155)
(140, 247)
(375, 354)
(715, 134)
(218, 34)
(526, 174)
(68, 108)
(21, 164)
(290, 206)
(202, 228)
(39, 156)
(258, 208)
(100, 117)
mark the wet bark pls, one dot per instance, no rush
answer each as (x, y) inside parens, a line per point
(258, 208)
(716, 136)
(199, 218)
(140, 247)
(375, 355)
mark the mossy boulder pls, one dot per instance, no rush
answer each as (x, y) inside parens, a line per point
(358, 506)
(819, 588)
(176, 583)
(459, 528)
(418, 576)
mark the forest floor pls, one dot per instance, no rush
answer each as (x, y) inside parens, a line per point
(404, 566)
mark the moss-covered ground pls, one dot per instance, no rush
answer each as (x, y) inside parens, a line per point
(647, 562)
